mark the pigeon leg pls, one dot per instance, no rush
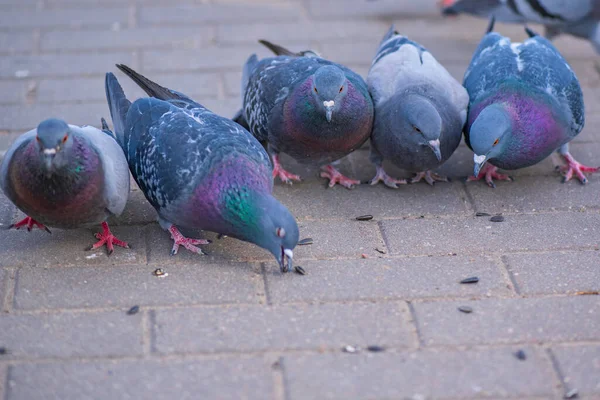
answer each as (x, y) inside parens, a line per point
(382, 176)
(489, 172)
(335, 176)
(180, 240)
(29, 223)
(445, 3)
(430, 177)
(108, 239)
(573, 167)
(286, 177)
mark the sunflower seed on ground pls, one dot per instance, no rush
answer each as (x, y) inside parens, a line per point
(160, 273)
(471, 279)
(306, 241)
(497, 218)
(465, 309)
(3, 351)
(375, 349)
(521, 355)
(382, 251)
(482, 214)
(300, 270)
(133, 310)
(351, 349)
(364, 218)
(572, 394)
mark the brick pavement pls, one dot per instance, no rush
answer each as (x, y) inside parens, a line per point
(229, 325)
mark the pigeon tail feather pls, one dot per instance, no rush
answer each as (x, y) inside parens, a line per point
(117, 104)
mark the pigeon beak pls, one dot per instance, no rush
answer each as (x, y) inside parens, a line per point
(286, 260)
(49, 155)
(479, 162)
(435, 147)
(329, 109)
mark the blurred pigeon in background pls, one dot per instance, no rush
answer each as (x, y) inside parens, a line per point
(66, 176)
(420, 110)
(314, 110)
(525, 103)
(199, 170)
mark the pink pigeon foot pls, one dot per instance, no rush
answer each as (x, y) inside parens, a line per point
(335, 176)
(429, 177)
(382, 176)
(573, 167)
(30, 223)
(489, 172)
(180, 240)
(108, 239)
(286, 177)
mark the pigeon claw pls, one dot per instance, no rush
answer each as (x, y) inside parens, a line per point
(278, 171)
(382, 176)
(430, 177)
(190, 244)
(489, 173)
(30, 223)
(108, 239)
(335, 176)
(573, 167)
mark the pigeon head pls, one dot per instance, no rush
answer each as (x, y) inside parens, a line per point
(54, 140)
(419, 116)
(489, 134)
(329, 88)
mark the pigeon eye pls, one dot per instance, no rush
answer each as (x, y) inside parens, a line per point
(280, 232)
(64, 139)
(417, 129)
(342, 88)
(496, 142)
(316, 91)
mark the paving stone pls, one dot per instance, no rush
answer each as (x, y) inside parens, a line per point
(241, 378)
(3, 380)
(405, 278)
(16, 42)
(556, 272)
(7, 210)
(138, 211)
(377, 8)
(580, 366)
(15, 91)
(283, 327)
(427, 374)
(478, 235)
(207, 58)
(56, 288)
(71, 335)
(23, 118)
(67, 248)
(531, 320)
(64, 18)
(3, 279)
(6, 139)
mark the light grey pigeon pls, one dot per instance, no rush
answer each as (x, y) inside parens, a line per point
(199, 170)
(420, 110)
(579, 18)
(525, 103)
(66, 176)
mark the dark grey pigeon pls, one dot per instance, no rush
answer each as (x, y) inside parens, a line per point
(66, 176)
(199, 170)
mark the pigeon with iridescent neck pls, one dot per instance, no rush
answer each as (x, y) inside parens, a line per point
(66, 176)
(420, 110)
(199, 170)
(525, 103)
(312, 109)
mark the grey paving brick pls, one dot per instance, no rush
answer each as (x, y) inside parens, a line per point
(531, 320)
(169, 37)
(207, 58)
(52, 288)
(71, 335)
(64, 18)
(6, 139)
(378, 8)
(426, 374)
(478, 235)
(138, 211)
(65, 65)
(240, 378)
(7, 210)
(406, 278)
(283, 327)
(580, 366)
(15, 91)
(203, 13)
(556, 272)
(3, 380)
(16, 42)
(67, 248)
(3, 279)
(23, 118)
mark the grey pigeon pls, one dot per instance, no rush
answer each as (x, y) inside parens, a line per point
(66, 176)
(420, 110)
(579, 18)
(199, 170)
(525, 103)
(314, 110)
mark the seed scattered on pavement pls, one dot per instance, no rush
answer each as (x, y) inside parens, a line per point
(306, 241)
(351, 349)
(300, 270)
(472, 279)
(572, 394)
(382, 251)
(482, 214)
(133, 310)
(3, 351)
(588, 293)
(375, 349)
(497, 218)
(465, 309)
(521, 355)
(364, 218)
(160, 273)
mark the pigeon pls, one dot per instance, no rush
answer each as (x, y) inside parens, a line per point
(312, 109)
(67, 176)
(199, 170)
(420, 110)
(580, 18)
(525, 103)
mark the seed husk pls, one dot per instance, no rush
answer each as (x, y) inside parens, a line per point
(572, 394)
(300, 270)
(482, 214)
(497, 218)
(133, 310)
(306, 241)
(521, 355)
(160, 273)
(3, 351)
(465, 309)
(375, 349)
(364, 218)
(382, 251)
(350, 349)
(471, 279)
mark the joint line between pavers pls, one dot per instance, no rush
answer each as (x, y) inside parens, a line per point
(383, 236)
(413, 314)
(9, 290)
(557, 370)
(263, 272)
(507, 271)
(146, 325)
(6, 381)
(470, 199)
(151, 326)
(280, 391)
